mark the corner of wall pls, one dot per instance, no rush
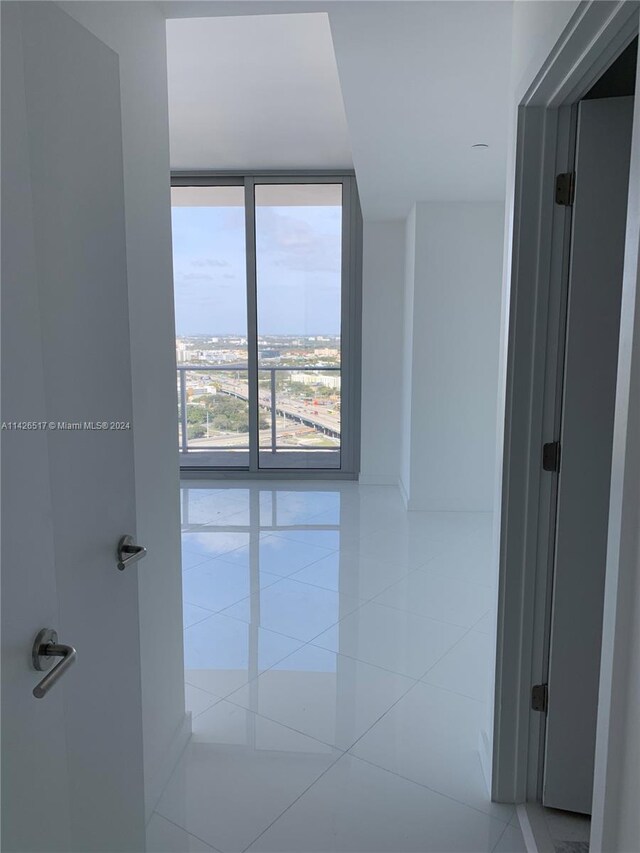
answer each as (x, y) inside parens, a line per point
(486, 757)
(407, 353)
(382, 306)
(379, 479)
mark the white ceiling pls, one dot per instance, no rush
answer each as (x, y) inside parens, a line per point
(255, 92)
(422, 81)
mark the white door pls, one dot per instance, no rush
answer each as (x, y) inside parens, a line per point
(72, 760)
(591, 354)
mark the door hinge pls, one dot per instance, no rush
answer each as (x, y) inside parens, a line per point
(551, 456)
(540, 697)
(565, 188)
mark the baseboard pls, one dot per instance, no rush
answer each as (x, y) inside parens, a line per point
(155, 786)
(377, 480)
(416, 505)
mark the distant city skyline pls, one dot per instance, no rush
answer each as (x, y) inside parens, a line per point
(299, 276)
(243, 335)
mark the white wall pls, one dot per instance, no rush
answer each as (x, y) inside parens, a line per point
(382, 322)
(616, 818)
(136, 32)
(536, 28)
(452, 318)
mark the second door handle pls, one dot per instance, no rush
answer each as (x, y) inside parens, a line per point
(128, 552)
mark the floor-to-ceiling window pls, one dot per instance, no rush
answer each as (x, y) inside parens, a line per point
(210, 282)
(267, 322)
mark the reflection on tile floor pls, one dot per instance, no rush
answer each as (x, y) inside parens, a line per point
(337, 660)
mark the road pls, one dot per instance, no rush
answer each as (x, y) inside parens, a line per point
(315, 418)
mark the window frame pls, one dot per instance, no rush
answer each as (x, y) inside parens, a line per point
(350, 321)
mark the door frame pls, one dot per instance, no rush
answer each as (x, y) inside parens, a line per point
(536, 265)
(350, 319)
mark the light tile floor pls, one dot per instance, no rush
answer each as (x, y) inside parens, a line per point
(337, 660)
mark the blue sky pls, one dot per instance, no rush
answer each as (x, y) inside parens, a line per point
(298, 263)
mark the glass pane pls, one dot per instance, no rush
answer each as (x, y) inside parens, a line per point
(299, 409)
(211, 325)
(299, 276)
(217, 410)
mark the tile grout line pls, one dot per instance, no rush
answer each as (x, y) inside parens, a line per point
(421, 615)
(325, 743)
(311, 642)
(216, 700)
(286, 726)
(348, 750)
(302, 793)
(306, 566)
(298, 639)
(429, 788)
(204, 618)
(342, 752)
(467, 630)
(289, 654)
(208, 555)
(457, 643)
(351, 595)
(177, 825)
(278, 578)
(501, 837)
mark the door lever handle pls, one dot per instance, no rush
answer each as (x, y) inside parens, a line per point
(45, 648)
(129, 552)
